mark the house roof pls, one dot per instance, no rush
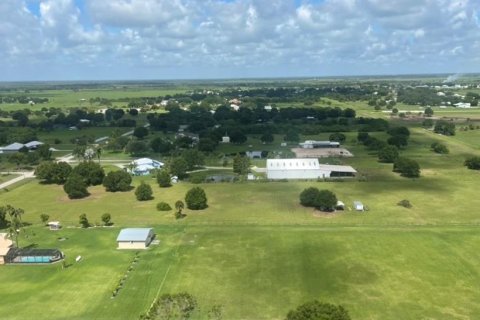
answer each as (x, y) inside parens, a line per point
(13, 147)
(33, 144)
(305, 164)
(134, 234)
(4, 251)
(5, 242)
(147, 161)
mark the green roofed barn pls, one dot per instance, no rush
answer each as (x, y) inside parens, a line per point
(135, 238)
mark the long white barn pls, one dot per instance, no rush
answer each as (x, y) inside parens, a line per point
(305, 169)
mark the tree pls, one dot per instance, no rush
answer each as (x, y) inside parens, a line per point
(308, 197)
(144, 192)
(241, 164)
(91, 172)
(291, 136)
(179, 206)
(163, 206)
(237, 137)
(193, 158)
(388, 154)
(207, 144)
(136, 148)
(267, 137)
(445, 128)
(473, 163)
(53, 172)
(117, 181)
(44, 218)
(178, 167)
(407, 167)
(75, 187)
(321, 199)
(196, 199)
(337, 136)
(163, 179)
(83, 221)
(11, 217)
(428, 112)
(44, 151)
(439, 148)
(161, 145)
(106, 219)
(79, 152)
(398, 141)
(316, 310)
(140, 132)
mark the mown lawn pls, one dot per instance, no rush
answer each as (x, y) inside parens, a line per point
(258, 253)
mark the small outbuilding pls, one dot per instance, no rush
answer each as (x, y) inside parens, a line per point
(340, 205)
(358, 206)
(54, 225)
(135, 238)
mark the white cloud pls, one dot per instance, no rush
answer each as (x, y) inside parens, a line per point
(233, 37)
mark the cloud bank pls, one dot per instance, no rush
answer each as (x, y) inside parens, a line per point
(165, 39)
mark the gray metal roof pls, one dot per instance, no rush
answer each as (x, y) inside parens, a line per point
(134, 234)
(13, 147)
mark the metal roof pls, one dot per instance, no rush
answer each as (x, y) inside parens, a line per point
(134, 234)
(33, 144)
(13, 147)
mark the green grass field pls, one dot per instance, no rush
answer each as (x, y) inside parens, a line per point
(258, 253)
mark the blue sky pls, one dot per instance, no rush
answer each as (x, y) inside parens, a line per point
(197, 39)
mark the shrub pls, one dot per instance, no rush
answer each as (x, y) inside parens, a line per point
(321, 199)
(308, 197)
(318, 310)
(445, 128)
(84, 221)
(196, 199)
(75, 187)
(117, 181)
(44, 218)
(91, 172)
(144, 192)
(405, 203)
(163, 206)
(338, 136)
(473, 163)
(439, 148)
(106, 219)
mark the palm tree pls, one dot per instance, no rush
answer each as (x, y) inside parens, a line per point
(15, 224)
(98, 151)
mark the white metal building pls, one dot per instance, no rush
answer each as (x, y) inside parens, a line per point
(135, 238)
(312, 144)
(305, 169)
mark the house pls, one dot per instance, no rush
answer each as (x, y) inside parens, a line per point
(254, 154)
(267, 108)
(135, 238)
(225, 139)
(5, 246)
(312, 144)
(144, 166)
(33, 145)
(12, 148)
(306, 168)
(54, 225)
(358, 206)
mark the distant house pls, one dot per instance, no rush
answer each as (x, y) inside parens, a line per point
(358, 206)
(267, 108)
(254, 154)
(15, 147)
(144, 166)
(312, 144)
(86, 121)
(225, 139)
(135, 238)
(463, 105)
(234, 107)
(5, 246)
(305, 169)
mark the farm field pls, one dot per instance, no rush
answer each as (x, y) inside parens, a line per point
(260, 253)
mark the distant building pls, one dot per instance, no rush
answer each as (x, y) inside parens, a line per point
(254, 154)
(305, 169)
(463, 105)
(267, 108)
(15, 147)
(312, 144)
(135, 238)
(358, 206)
(225, 139)
(234, 107)
(144, 166)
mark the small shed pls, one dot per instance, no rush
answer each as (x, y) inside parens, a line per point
(54, 225)
(340, 205)
(225, 139)
(358, 206)
(135, 238)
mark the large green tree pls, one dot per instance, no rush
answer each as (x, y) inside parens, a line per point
(241, 164)
(407, 167)
(53, 172)
(163, 178)
(91, 172)
(321, 199)
(117, 181)
(388, 154)
(75, 187)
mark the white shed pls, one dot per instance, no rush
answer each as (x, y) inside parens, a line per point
(358, 206)
(135, 238)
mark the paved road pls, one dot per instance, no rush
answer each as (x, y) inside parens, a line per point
(21, 176)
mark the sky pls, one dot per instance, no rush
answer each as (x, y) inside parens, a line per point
(204, 39)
